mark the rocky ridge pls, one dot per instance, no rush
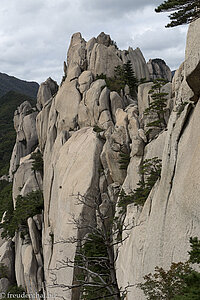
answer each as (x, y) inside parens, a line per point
(73, 154)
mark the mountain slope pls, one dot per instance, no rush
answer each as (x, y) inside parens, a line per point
(8, 104)
(10, 83)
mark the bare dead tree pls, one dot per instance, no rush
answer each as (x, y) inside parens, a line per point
(94, 263)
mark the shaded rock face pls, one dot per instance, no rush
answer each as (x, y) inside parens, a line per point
(28, 253)
(136, 57)
(26, 140)
(46, 90)
(104, 39)
(7, 259)
(192, 65)
(158, 69)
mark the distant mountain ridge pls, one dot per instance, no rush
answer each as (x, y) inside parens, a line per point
(11, 83)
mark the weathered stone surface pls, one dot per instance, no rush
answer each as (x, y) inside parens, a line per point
(66, 104)
(38, 221)
(73, 161)
(19, 269)
(42, 122)
(104, 39)
(4, 284)
(85, 80)
(76, 56)
(94, 101)
(46, 90)
(158, 69)
(116, 102)
(26, 180)
(34, 235)
(175, 198)
(103, 60)
(89, 46)
(68, 180)
(192, 58)
(155, 147)
(117, 140)
(138, 62)
(26, 140)
(143, 96)
(105, 120)
(133, 177)
(181, 92)
(144, 100)
(7, 258)
(73, 72)
(104, 100)
(30, 269)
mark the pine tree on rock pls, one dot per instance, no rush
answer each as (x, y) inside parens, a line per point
(157, 107)
(185, 11)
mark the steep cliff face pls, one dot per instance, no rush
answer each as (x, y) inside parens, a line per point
(158, 69)
(83, 128)
(170, 216)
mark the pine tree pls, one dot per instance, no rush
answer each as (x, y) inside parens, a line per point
(185, 11)
(123, 75)
(158, 106)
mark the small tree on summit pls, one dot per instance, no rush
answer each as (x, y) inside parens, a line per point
(127, 76)
(185, 11)
(123, 75)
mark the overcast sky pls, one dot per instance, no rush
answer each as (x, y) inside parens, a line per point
(35, 34)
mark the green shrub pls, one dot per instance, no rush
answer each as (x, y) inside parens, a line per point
(195, 252)
(150, 171)
(181, 107)
(124, 160)
(38, 164)
(123, 75)
(3, 271)
(180, 282)
(15, 292)
(165, 284)
(6, 201)
(26, 207)
(157, 107)
(93, 256)
(97, 129)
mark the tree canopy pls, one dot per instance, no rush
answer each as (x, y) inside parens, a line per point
(185, 11)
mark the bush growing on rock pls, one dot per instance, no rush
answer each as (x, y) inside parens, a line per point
(6, 202)
(123, 75)
(157, 107)
(150, 171)
(15, 292)
(180, 282)
(26, 207)
(124, 160)
(3, 271)
(38, 164)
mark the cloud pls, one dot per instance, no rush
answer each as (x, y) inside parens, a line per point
(35, 34)
(115, 8)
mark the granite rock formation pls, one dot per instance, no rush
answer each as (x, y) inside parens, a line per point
(81, 129)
